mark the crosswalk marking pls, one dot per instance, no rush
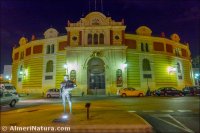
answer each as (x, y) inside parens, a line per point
(148, 111)
(184, 111)
(175, 122)
(132, 111)
(167, 111)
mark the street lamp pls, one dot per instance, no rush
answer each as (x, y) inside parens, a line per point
(124, 65)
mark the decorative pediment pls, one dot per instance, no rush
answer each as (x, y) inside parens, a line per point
(23, 41)
(175, 37)
(95, 19)
(144, 31)
(50, 33)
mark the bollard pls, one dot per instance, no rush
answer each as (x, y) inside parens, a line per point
(87, 105)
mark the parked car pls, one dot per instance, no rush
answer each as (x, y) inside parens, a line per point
(191, 90)
(7, 98)
(130, 92)
(165, 91)
(8, 87)
(53, 93)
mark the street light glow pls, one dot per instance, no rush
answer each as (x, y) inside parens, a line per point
(65, 66)
(171, 69)
(65, 116)
(124, 65)
(196, 76)
(7, 77)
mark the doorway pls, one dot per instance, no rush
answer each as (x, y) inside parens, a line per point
(96, 76)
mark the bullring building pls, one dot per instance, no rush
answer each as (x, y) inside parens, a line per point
(101, 58)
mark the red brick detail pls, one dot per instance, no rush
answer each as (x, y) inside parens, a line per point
(131, 43)
(123, 37)
(80, 38)
(62, 45)
(158, 46)
(111, 37)
(184, 52)
(16, 57)
(169, 48)
(37, 49)
(68, 38)
(28, 51)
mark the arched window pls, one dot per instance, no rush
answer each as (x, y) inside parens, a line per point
(52, 48)
(73, 76)
(48, 49)
(142, 47)
(89, 39)
(96, 38)
(101, 38)
(119, 80)
(146, 65)
(49, 66)
(178, 67)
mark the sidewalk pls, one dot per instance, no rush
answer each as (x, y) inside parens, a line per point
(100, 120)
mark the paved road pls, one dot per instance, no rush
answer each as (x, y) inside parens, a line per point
(173, 122)
(165, 114)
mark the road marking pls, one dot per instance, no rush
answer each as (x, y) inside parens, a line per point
(177, 125)
(182, 111)
(148, 111)
(167, 111)
(132, 111)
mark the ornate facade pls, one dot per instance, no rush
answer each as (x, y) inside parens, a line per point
(101, 58)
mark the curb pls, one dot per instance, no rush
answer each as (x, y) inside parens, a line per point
(111, 129)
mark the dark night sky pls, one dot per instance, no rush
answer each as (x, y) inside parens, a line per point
(26, 17)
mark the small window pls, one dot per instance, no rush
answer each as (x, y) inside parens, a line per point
(116, 37)
(52, 48)
(146, 65)
(48, 49)
(74, 38)
(142, 47)
(145, 76)
(89, 39)
(147, 47)
(49, 66)
(48, 77)
(101, 38)
(180, 77)
(96, 39)
(19, 79)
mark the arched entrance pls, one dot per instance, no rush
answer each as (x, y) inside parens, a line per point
(96, 76)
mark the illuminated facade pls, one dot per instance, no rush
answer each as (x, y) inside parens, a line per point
(101, 58)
